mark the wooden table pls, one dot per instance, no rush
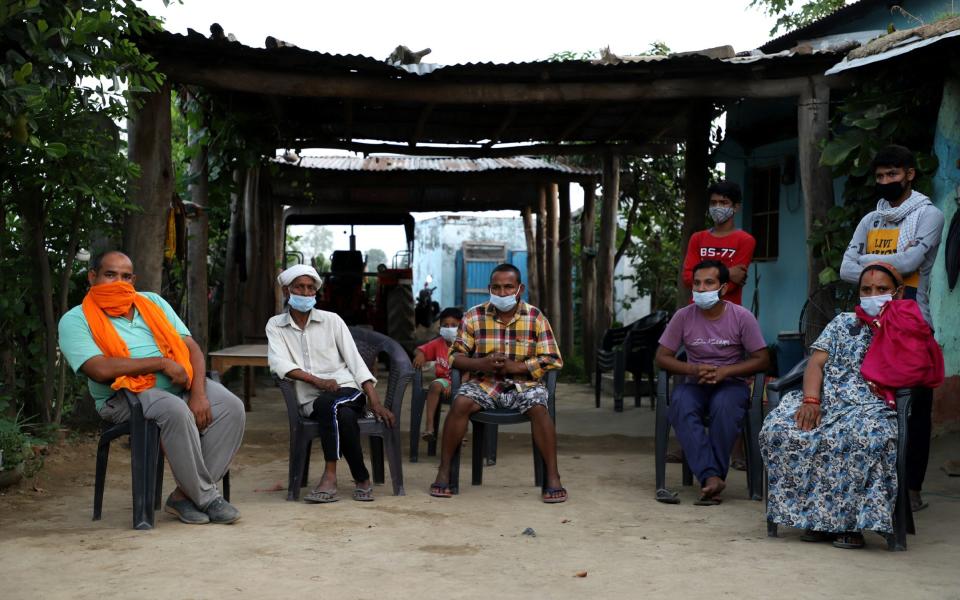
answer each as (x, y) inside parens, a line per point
(246, 356)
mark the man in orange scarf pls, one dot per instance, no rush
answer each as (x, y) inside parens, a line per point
(119, 339)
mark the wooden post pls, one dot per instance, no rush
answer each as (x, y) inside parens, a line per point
(230, 309)
(553, 259)
(566, 273)
(608, 242)
(197, 249)
(144, 231)
(543, 295)
(696, 176)
(588, 277)
(533, 277)
(813, 121)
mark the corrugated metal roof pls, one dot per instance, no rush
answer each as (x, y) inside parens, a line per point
(882, 53)
(437, 164)
(814, 29)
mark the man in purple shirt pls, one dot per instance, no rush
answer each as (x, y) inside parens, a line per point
(717, 336)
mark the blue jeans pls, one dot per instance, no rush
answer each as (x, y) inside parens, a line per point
(706, 419)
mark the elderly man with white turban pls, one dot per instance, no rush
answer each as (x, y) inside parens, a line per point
(314, 348)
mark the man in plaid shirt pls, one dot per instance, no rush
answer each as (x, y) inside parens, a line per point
(508, 346)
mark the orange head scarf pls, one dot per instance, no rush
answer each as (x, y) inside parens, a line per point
(115, 299)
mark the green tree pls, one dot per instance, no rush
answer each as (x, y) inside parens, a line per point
(790, 18)
(376, 257)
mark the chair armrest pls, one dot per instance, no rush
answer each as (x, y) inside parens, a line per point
(417, 379)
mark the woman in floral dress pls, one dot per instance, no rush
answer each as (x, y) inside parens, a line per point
(831, 450)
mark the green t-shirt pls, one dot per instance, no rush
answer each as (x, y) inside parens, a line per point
(77, 345)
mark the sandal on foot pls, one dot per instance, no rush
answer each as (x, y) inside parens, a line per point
(363, 494)
(812, 535)
(441, 490)
(667, 497)
(850, 540)
(707, 501)
(738, 464)
(548, 496)
(917, 502)
(429, 436)
(320, 497)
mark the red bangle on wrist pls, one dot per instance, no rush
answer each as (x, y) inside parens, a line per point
(811, 400)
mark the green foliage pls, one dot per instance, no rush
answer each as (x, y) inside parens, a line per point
(892, 108)
(789, 18)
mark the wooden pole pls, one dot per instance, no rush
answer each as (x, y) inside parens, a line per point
(566, 273)
(230, 310)
(553, 259)
(543, 294)
(197, 249)
(588, 277)
(608, 242)
(813, 121)
(533, 277)
(149, 145)
(696, 176)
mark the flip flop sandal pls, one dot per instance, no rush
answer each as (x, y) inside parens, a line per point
(849, 541)
(667, 497)
(363, 495)
(439, 490)
(548, 497)
(738, 464)
(429, 436)
(319, 497)
(707, 501)
(812, 535)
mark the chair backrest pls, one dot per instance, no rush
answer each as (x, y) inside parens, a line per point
(793, 380)
(371, 345)
(614, 337)
(647, 331)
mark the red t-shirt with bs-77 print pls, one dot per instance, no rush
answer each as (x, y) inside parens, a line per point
(735, 248)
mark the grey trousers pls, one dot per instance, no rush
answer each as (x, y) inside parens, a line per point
(198, 459)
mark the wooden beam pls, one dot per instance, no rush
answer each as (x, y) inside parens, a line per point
(229, 310)
(608, 243)
(198, 248)
(348, 118)
(541, 212)
(565, 280)
(816, 182)
(533, 277)
(588, 277)
(145, 230)
(506, 122)
(696, 174)
(487, 152)
(421, 123)
(303, 85)
(578, 123)
(553, 258)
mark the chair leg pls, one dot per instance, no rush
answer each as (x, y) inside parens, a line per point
(226, 486)
(391, 441)
(432, 445)
(539, 467)
(297, 470)
(158, 490)
(619, 374)
(479, 441)
(687, 473)
(596, 388)
(454, 480)
(144, 446)
(661, 437)
(376, 459)
(652, 376)
(305, 480)
(771, 528)
(416, 414)
(100, 480)
(491, 433)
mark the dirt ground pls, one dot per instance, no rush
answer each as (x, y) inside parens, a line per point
(470, 546)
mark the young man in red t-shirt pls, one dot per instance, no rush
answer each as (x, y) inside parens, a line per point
(438, 351)
(724, 242)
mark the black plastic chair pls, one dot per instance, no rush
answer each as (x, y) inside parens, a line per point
(146, 463)
(902, 515)
(486, 422)
(418, 400)
(630, 349)
(303, 430)
(750, 426)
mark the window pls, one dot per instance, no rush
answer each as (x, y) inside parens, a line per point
(764, 193)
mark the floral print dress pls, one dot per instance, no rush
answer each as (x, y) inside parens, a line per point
(842, 475)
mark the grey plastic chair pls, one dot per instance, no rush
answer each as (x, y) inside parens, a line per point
(303, 430)
(750, 426)
(902, 515)
(485, 419)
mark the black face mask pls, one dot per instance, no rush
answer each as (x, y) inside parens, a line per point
(890, 192)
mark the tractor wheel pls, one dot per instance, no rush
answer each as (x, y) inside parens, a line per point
(401, 321)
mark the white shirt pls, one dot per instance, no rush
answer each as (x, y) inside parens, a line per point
(324, 348)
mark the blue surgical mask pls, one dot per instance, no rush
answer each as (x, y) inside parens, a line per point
(302, 303)
(503, 303)
(872, 304)
(706, 300)
(721, 214)
(448, 334)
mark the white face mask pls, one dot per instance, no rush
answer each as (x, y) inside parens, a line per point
(448, 334)
(706, 300)
(721, 214)
(872, 304)
(503, 303)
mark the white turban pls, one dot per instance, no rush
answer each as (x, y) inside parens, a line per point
(287, 277)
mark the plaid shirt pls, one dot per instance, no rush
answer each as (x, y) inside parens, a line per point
(527, 338)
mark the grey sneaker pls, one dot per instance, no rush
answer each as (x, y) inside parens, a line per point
(186, 511)
(221, 511)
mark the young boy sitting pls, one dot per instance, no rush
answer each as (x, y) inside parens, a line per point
(438, 350)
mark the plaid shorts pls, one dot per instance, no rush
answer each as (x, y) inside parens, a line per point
(508, 398)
